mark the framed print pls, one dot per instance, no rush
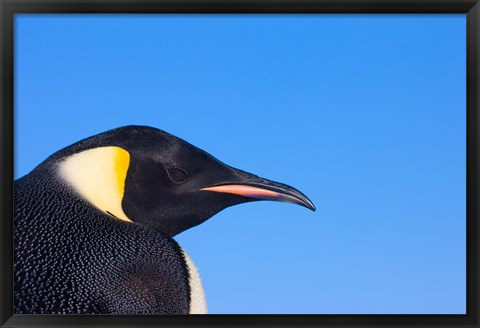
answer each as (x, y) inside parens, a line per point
(256, 163)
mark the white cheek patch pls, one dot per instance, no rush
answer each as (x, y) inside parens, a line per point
(198, 303)
(98, 175)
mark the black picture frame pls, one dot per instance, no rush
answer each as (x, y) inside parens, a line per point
(9, 8)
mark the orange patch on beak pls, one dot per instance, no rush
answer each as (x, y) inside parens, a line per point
(247, 191)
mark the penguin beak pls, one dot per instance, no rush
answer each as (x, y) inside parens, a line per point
(265, 190)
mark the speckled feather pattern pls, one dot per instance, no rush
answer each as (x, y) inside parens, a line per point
(72, 258)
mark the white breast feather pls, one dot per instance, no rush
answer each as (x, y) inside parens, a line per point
(198, 303)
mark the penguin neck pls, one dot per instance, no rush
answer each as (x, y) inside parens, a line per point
(43, 185)
(170, 225)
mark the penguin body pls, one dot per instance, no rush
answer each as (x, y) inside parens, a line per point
(91, 263)
(94, 224)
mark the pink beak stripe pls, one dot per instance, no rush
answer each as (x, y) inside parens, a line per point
(247, 191)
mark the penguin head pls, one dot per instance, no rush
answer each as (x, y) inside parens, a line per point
(147, 176)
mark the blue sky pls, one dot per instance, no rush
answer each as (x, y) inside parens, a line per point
(363, 113)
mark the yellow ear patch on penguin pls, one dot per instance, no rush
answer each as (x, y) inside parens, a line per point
(98, 175)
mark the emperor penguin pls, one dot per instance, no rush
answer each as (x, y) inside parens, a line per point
(93, 223)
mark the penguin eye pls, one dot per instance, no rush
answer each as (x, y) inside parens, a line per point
(177, 175)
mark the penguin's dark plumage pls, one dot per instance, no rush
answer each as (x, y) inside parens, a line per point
(93, 223)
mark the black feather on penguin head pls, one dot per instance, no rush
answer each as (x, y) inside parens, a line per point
(171, 185)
